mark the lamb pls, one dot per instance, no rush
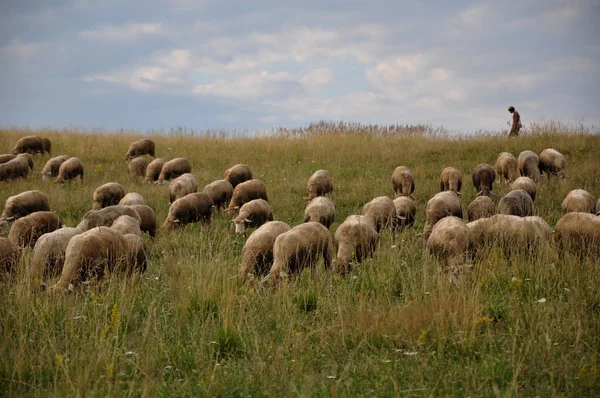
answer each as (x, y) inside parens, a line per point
(173, 169)
(579, 233)
(139, 148)
(50, 170)
(252, 214)
(381, 212)
(516, 203)
(526, 184)
(132, 198)
(181, 186)
(69, 170)
(528, 163)
(245, 192)
(321, 210)
(191, 208)
(406, 208)
(137, 167)
(403, 181)
(127, 225)
(14, 169)
(481, 207)
(32, 144)
(442, 205)
(237, 174)
(579, 200)
(48, 255)
(257, 254)
(26, 230)
(319, 184)
(355, 238)
(9, 256)
(148, 219)
(153, 169)
(106, 216)
(552, 162)
(506, 166)
(483, 179)
(449, 243)
(21, 205)
(298, 248)
(220, 192)
(108, 194)
(451, 180)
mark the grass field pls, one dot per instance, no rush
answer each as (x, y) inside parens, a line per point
(518, 326)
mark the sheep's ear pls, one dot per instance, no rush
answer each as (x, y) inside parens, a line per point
(459, 193)
(247, 220)
(401, 218)
(236, 207)
(176, 221)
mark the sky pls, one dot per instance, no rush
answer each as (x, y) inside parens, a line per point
(252, 65)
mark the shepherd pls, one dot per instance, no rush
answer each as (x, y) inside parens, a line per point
(516, 123)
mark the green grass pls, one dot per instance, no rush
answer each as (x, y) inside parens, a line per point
(393, 327)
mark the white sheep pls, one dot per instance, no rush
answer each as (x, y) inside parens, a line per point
(257, 254)
(320, 209)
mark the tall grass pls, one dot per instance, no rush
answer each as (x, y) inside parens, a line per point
(526, 325)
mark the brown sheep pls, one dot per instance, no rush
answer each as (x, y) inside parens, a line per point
(449, 243)
(245, 192)
(21, 205)
(137, 167)
(403, 181)
(237, 174)
(506, 167)
(579, 200)
(6, 157)
(173, 169)
(192, 208)
(528, 163)
(48, 255)
(552, 162)
(442, 205)
(406, 209)
(381, 212)
(148, 219)
(69, 170)
(181, 186)
(106, 216)
(354, 238)
(15, 169)
(27, 157)
(526, 184)
(220, 192)
(127, 225)
(132, 198)
(106, 195)
(321, 210)
(153, 169)
(319, 184)
(483, 179)
(26, 230)
(481, 207)
(32, 144)
(579, 233)
(9, 256)
(257, 254)
(451, 180)
(139, 148)
(252, 214)
(50, 170)
(516, 203)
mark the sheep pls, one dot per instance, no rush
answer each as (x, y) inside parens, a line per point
(552, 162)
(403, 181)
(15, 169)
(47, 145)
(298, 248)
(257, 253)
(173, 169)
(381, 212)
(598, 207)
(48, 255)
(579, 233)
(148, 219)
(32, 144)
(483, 179)
(481, 207)
(132, 198)
(406, 209)
(443, 204)
(220, 192)
(135, 254)
(181, 186)
(320, 209)
(506, 167)
(191, 208)
(50, 170)
(137, 167)
(6, 157)
(106, 216)
(108, 194)
(69, 170)
(153, 170)
(127, 225)
(579, 200)
(449, 243)
(26, 230)
(21, 205)
(355, 238)
(237, 174)
(528, 163)
(9, 256)
(252, 214)
(139, 148)
(245, 192)
(28, 158)
(526, 184)
(450, 180)
(516, 203)
(319, 184)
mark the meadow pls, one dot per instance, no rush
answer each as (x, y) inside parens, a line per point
(526, 325)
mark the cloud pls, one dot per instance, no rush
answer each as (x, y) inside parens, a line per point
(17, 49)
(123, 33)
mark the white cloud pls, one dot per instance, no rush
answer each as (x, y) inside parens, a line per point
(16, 48)
(123, 33)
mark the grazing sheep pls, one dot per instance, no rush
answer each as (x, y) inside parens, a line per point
(257, 254)
(191, 208)
(106, 216)
(47, 145)
(50, 170)
(245, 192)
(298, 248)
(552, 162)
(48, 255)
(26, 230)
(450, 180)
(403, 181)
(483, 179)
(320, 209)
(579, 233)
(137, 167)
(127, 225)
(106, 195)
(252, 214)
(28, 158)
(579, 200)
(139, 148)
(21, 205)
(526, 184)
(481, 207)
(181, 186)
(132, 198)
(506, 166)
(9, 256)
(381, 212)
(32, 144)
(69, 170)
(528, 163)
(449, 244)
(173, 169)
(6, 157)
(153, 169)
(406, 208)
(237, 174)
(442, 205)
(15, 169)
(516, 203)
(354, 238)
(135, 254)
(319, 184)
(220, 192)
(148, 219)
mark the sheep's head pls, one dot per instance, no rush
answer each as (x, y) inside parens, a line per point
(5, 225)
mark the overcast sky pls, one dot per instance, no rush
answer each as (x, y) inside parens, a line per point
(142, 64)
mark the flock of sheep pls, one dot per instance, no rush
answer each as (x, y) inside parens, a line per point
(108, 238)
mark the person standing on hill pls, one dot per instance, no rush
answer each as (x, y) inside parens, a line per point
(516, 123)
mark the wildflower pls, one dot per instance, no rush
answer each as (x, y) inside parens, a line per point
(542, 300)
